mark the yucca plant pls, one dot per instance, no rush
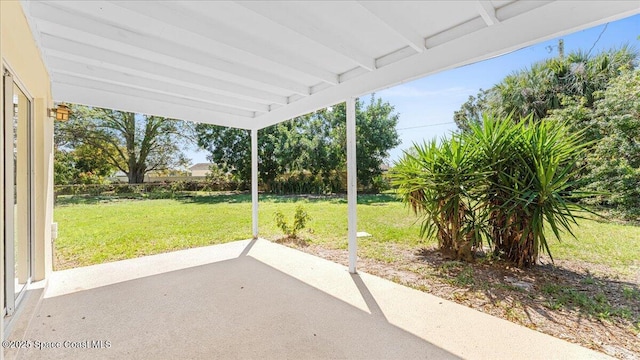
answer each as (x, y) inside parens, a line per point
(502, 181)
(442, 184)
(531, 170)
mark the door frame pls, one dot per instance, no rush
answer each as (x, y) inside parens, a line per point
(9, 81)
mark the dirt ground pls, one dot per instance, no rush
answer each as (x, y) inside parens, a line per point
(583, 303)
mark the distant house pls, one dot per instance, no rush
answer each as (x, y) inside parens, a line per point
(200, 169)
(119, 176)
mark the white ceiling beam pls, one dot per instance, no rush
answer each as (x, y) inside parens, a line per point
(156, 42)
(455, 32)
(465, 50)
(352, 74)
(397, 55)
(189, 16)
(394, 24)
(520, 7)
(117, 101)
(167, 87)
(278, 13)
(70, 49)
(142, 94)
(487, 12)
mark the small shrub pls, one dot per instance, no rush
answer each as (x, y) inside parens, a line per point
(300, 219)
(98, 189)
(379, 184)
(127, 189)
(304, 182)
(161, 194)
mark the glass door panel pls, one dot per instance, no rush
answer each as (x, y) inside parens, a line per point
(21, 185)
(16, 126)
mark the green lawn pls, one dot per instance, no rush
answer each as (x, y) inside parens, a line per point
(93, 231)
(601, 242)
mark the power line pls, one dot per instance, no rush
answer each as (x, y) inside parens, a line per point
(428, 125)
(598, 39)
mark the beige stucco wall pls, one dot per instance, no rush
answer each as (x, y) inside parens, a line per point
(20, 54)
(202, 173)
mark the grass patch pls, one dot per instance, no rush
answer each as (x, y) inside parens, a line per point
(93, 230)
(107, 228)
(588, 280)
(599, 242)
(630, 293)
(457, 273)
(122, 229)
(568, 297)
(514, 312)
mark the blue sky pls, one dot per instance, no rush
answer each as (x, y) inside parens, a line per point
(426, 105)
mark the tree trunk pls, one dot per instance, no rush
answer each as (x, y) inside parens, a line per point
(136, 175)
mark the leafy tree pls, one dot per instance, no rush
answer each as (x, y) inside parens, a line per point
(322, 141)
(229, 148)
(376, 135)
(615, 161)
(133, 143)
(528, 92)
(217, 175)
(543, 87)
(281, 149)
(315, 143)
(612, 131)
(81, 165)
(90, 160)
(472, 110)
(64, 169)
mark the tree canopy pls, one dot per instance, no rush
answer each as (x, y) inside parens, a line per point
(541, 88)
(132, 143)
(612, 125)
(313, 143)
(81, 165)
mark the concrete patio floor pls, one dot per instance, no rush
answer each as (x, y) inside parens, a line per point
(257, 299)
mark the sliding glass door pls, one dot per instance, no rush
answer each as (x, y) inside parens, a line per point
(17, 122)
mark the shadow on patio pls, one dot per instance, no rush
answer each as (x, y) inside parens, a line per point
(256, 299)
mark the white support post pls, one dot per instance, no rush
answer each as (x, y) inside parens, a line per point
(254, 181)
(352, 184)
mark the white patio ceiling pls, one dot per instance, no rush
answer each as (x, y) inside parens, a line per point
(253, 64)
